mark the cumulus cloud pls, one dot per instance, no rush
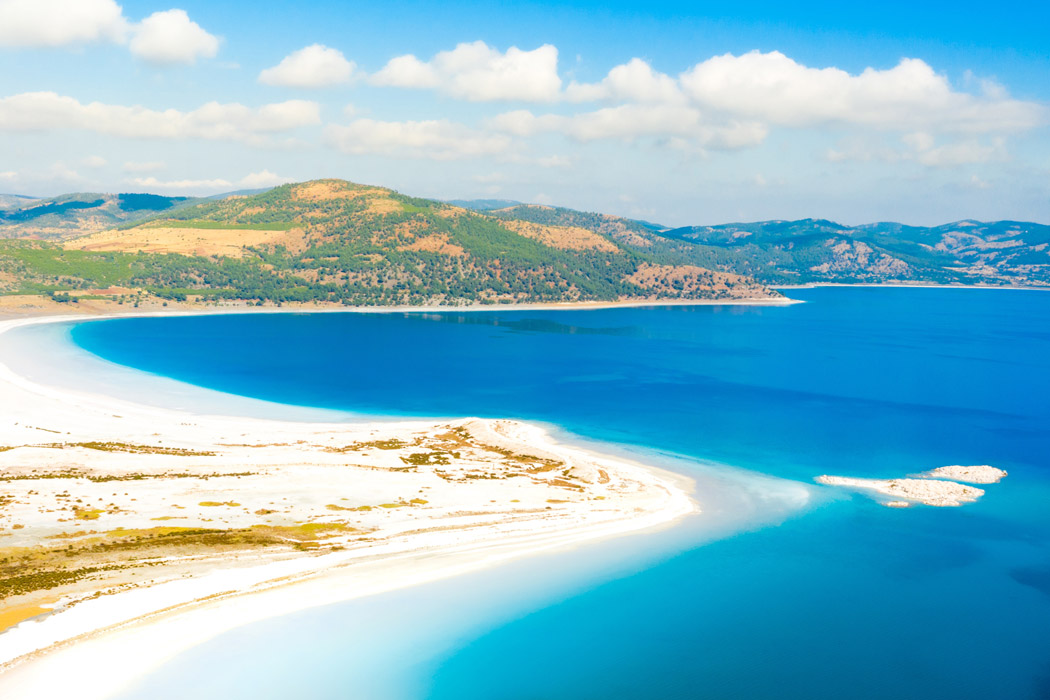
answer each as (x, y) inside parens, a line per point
(732, 102)
(163, 38)
(634, 81)
(773, 88)
(923, 148)
(263, 178)
(38, 111)
(479, 73)
(312, 67)
(171, 37)
(963, 152)
(155, 185)
(633, 121)
(434, 140)
(36, 23)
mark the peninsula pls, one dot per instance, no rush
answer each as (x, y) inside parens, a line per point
(113, 513)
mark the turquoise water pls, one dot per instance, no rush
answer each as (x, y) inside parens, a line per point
(843, 598)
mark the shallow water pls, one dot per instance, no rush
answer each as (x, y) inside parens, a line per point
(843, 598)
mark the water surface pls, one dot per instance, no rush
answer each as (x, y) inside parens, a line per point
(844, 598)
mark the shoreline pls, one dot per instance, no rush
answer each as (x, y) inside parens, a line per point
(36, 306)
(911, 285)
(175, 615)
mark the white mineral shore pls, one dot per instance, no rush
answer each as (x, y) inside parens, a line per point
(366, 507)
(976, 474)
(932, 492)
(937, 487)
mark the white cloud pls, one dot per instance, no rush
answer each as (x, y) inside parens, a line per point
(39, 111)
(921, 147)
(480, 73)
(633, 121)
(264, 178)
(43, 23)
(62, 172)
(773, 88)
(181, 186)
(978, 184)
(633, 81)
(8, 175)
(435, 140)
(171, 37)
(965, 152)
(311, 67)
(95, 162)
(163, 38)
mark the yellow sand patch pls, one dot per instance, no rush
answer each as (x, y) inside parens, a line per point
(436, 243)
(187, 241)
(9, 617)
(562, 237)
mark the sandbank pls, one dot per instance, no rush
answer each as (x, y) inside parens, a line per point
(158, 529)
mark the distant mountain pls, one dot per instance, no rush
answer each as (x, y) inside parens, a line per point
(816, 250)
(483, 204)
(72, 215)
(335, 241)
(238, 193)
(14, 201)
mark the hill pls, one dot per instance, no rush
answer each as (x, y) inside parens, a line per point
(14, 201)
(817, 250)
(72, 215)
(334, 241)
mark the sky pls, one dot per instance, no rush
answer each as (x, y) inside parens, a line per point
(682, 113)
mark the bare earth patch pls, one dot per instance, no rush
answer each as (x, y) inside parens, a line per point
(561, 237)
(187, 241)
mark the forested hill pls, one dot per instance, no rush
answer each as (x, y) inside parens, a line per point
(814, 250)
(817, 250)
(335, 241)
(75, 214)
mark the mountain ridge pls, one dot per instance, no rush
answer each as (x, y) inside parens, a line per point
(338, 242)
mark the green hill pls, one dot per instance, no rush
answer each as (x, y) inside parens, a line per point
(813, 250)
(72, 215)
(817, 250)
(334, 241)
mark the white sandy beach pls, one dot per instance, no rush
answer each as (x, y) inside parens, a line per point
(329, 512)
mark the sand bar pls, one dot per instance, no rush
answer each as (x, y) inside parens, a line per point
(156, 530)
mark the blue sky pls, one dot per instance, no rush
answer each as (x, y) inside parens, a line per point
(683, 113)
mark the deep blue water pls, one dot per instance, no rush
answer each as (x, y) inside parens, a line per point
(845, 599)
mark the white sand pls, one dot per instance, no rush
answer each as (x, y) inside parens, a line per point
(937, 487)
(931, 492)
(480, 508)
(975, 474)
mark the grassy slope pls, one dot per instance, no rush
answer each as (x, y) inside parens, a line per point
(364, 245)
